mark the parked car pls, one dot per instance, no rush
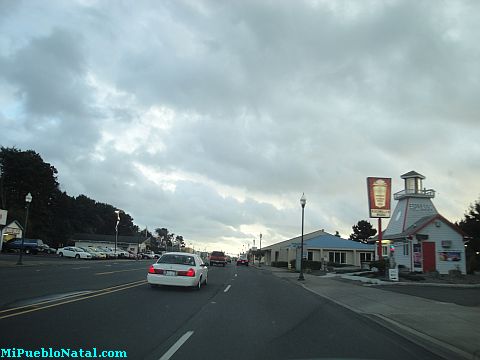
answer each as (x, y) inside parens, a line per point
(91, 251)
(101, 254)
(109, 253)
(178, 269)
(47, 249)
(30, 246)
(147, 255)
(74, 252)
(242, 260)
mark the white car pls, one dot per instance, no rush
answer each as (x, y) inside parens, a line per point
(178, 269)
(74, 252)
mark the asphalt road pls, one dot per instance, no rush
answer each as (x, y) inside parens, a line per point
(243, 313)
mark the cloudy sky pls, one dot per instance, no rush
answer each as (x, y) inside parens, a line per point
(211, 118)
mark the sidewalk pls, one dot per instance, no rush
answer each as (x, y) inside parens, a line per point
(452, 328)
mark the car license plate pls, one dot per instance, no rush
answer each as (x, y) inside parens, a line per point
(170, 273)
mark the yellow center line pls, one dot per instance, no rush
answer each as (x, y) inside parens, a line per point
(74, 298)
(119, 271)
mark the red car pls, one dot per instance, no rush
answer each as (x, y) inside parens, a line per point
(242, 260)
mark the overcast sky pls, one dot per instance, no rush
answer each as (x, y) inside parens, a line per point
(211, 118)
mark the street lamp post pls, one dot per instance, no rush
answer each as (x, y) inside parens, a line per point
(28, 200)
(260, 260)
(303, 201)
(116, 229)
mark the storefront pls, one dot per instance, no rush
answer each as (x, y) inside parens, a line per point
(418, 237)
(12, 231)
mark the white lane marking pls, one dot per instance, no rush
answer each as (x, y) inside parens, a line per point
(38, 270)
(82, 267)
(176, 346)
(235, 275)
(227, 288)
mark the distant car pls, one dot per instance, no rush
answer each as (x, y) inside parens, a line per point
(229, 259)
(109, 253)
(242, 260)
(217, 258)
(147, 255)
(30, 246)
(100, 253)
(178, 269)
(95, 254)
(47, 249)
(74, 252)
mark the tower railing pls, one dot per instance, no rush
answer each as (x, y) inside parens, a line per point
(426, 193)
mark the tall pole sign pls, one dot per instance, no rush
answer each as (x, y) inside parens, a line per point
(379, 203)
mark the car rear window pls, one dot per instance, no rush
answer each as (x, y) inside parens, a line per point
(217, 253)
(176, 259)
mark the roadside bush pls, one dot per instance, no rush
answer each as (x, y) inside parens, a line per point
(307, 264)
(280, 264)
(337, 265)
(381, 265)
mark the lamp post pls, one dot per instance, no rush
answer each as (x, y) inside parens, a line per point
(260, 260)
(303, 201)
(116, 229)
(28, 200)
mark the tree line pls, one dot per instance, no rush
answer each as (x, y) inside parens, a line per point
(54, 216)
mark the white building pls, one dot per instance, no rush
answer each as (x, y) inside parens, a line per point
(319, 246)
(421, 239)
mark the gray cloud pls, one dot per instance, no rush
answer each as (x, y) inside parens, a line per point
(253, 103)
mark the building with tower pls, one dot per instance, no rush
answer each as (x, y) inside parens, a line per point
(418, 237)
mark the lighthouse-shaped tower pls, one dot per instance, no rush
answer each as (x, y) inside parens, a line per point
(414, 203)
(422, 239)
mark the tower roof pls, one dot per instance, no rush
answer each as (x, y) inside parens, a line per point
(412, 174)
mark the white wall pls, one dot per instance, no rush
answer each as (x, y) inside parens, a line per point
(442, 233)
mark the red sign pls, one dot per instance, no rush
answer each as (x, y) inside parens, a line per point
(379, 197)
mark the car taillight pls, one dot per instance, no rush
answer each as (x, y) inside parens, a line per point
(190, 273)
(152, 270)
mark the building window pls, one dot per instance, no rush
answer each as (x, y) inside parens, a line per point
(384, 250)
(406, 249)
(337, 257)
(310, 256)
(365, 257)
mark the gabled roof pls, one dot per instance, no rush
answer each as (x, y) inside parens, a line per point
(419, 225)
(296, 239)
(411, 174)
(16, 223)
(329, 241)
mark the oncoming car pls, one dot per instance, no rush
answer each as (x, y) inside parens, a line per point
(178, 269)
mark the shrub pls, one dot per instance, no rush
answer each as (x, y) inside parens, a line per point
(337, 265)
(280, 264)
(381, 265)
(307, 264)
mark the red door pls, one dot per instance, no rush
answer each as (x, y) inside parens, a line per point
(428, 250)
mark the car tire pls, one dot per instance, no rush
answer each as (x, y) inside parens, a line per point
(60, 254)
(27, 251)
(77, 256)
(206, 281)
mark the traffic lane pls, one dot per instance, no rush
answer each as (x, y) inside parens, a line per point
(139, 319)
(265, 317)
(459, 296)
(38, 282)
